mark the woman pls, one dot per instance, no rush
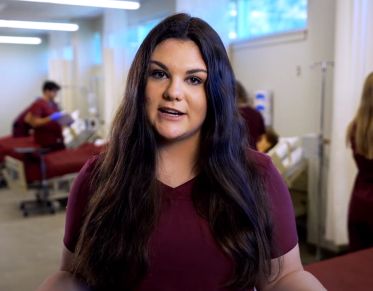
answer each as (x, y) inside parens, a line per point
(177, 202)
(360, 136)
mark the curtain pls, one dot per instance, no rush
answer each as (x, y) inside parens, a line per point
(353, 62)
(60, 67)
(116, 63)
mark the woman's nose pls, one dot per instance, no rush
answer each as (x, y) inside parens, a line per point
(174, 91)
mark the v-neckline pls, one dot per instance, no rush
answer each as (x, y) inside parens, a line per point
(182, 185)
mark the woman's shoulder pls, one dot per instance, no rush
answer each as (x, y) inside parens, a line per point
(280, 205)
(261, 161)
(90, 165)
(267, 170)
(77, 203)
(81, 188)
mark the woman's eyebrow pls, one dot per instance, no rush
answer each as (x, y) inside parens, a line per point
(164, 67)
(196, 71)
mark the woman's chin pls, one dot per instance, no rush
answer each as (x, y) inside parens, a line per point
(176, 134)
(169, 137)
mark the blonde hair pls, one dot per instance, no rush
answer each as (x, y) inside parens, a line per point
(360, 130)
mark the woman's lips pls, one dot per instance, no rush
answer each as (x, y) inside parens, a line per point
(170, 113)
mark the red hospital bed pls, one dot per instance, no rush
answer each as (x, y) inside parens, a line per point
(28, 166)
(8, 143)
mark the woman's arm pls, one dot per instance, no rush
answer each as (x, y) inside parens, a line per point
(66, 259)
(63, 280)
(291, 276)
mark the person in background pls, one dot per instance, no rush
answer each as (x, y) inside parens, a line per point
(360, 138)
(253, 119)
(178, 202)
(267, 141)
(41, 117)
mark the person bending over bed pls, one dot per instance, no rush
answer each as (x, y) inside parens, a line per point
(253, 119)
(177, 202)
(41, 118)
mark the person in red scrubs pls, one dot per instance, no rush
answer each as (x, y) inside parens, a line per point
(253, 119)
(360, 137)
(177, 201)
(41, 117)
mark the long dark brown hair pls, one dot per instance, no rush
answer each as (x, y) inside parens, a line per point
(112, 252)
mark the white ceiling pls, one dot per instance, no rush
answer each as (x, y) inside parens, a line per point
(19, 10)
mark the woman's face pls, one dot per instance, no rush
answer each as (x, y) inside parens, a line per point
(176, 102)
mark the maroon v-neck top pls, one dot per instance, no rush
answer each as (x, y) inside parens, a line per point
(183, 252)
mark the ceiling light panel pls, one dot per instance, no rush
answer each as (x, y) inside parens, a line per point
(20, 40)
(39, 25)
(131, 5)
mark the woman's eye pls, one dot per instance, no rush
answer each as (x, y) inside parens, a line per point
(157, 74)
(194, 80)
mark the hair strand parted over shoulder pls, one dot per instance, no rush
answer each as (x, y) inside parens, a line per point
(125, 206)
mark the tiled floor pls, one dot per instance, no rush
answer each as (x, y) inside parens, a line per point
(30, 247)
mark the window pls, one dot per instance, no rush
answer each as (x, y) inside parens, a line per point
(254, 18)
(137, 34)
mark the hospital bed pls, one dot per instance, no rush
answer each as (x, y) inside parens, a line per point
(80, 132)
(288, 157)
(298, 161)
(25, 165)
(47, 172)
(7, 145)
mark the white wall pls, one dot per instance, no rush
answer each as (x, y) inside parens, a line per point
(23, 69)
(283, 66)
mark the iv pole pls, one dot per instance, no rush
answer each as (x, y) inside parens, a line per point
(320, 185)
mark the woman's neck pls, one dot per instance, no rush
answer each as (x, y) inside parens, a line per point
(176, 161)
